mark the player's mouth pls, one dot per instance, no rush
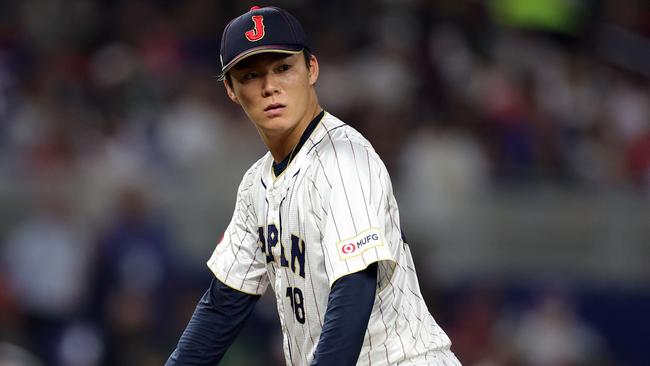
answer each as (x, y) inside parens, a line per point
(274, 110)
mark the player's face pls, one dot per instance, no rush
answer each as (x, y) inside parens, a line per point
(275, 90)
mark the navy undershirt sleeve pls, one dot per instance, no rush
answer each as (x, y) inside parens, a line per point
(346, 318)
(217, 319)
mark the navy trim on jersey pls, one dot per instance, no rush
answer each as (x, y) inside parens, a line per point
(278, 168)
(346, 318)
(217, 319)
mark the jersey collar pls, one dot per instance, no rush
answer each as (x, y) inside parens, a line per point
(279, 168)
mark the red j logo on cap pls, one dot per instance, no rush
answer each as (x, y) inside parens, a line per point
(257, 32)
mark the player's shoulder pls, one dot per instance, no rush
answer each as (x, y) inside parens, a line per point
(337, 146)
(335, 137)
(254, 173)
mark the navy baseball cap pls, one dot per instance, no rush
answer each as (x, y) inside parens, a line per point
(267, 29)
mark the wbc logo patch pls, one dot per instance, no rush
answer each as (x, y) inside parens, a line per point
(368, 239)
(257, 32)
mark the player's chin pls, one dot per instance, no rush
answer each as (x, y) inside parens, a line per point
(270, 126)
(275, 121)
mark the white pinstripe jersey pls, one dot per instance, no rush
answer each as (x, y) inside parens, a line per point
(329, 214)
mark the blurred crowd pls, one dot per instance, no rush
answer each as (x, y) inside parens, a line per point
(120, 156)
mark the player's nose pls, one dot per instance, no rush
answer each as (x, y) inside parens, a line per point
(269, 86)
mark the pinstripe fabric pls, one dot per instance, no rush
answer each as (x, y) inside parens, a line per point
(334, 213)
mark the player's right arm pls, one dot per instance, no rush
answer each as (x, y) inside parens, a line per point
(217, 319)
(239, 267)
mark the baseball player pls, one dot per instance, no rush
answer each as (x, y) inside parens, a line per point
(315, 218)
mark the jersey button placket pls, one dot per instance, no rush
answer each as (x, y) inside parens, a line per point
(274, 216)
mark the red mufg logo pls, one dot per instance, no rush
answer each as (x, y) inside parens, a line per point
(257, 32)
(349, 248)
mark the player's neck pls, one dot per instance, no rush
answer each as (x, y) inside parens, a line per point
(280, 146)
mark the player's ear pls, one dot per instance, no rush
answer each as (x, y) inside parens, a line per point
(230, 92)
(313, 69)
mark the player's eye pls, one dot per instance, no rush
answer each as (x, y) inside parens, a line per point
(250, 75)
(284, 67)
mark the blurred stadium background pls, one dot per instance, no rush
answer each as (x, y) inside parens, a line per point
(517, 133)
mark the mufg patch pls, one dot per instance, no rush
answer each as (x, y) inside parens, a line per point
(368, 239)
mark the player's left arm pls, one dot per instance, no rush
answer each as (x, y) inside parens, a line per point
(346, 318)
(353, 227)
(356, 224)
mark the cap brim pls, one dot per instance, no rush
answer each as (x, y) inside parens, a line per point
(292, 50)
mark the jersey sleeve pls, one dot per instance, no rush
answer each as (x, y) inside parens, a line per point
(355, 210)
(238, 260)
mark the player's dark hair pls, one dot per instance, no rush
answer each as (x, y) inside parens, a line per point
(305, 52)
